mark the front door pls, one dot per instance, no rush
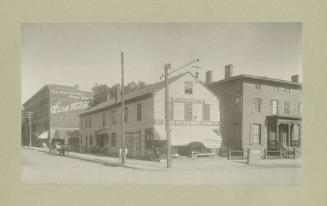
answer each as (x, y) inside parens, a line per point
(283, 134)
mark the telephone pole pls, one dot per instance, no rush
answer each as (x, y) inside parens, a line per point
(29, 116)
(167, 118)
(123, 109)
(167, 67)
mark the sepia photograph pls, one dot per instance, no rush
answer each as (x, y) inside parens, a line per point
(161, 103)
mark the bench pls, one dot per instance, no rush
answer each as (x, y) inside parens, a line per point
(202, 154)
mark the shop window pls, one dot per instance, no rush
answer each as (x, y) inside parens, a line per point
(149, 138)
(139, 112)
(256, 133)
(188, 87)
(188, 111)
(274, 106)
(113, 140)
(206, 112)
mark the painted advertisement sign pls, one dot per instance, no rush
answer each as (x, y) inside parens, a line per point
(65, 107)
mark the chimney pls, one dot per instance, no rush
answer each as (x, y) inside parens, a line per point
(228, 71)
(295, 78)
(208, 77)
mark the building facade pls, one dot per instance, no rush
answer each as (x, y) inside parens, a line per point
(55, 110)
(259, 111)
(194, 114)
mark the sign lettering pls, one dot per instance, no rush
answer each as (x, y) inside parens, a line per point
(191, 123)
(58, 107)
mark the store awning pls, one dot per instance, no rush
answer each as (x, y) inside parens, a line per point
(184, 135)
(64, 134)
(44, 135)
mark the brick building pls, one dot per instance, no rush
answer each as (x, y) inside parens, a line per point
(55, 113)
(259, 111)
(194, 118)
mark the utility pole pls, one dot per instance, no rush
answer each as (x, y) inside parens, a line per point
(122, 109)
(167, 118)
(167, 67)
(29, 115)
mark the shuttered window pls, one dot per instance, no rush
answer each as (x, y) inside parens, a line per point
(256, 104)
(286, 107)
(139, 112)
(274, 106)
(206, 112)
(188, 111)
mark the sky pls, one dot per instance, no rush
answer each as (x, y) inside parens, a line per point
(86, 54)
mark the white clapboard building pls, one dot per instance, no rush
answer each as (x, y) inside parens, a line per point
(194, 120)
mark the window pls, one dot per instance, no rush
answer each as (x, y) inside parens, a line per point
(188, 87)
(206, 112)
(237, 100)
(286, 107)
(126, 114)
(113, 117)
(91, 139)
(171, 107)
(113, 140)
(85, 122)
(81, 140)
(188, 113)
(287, 90)
(256, 104)
(257, 86)
(139, 112)
(274, 106)
(300, 109)
(90, 122)
(275, 89)
(256, 133)
(103, 119)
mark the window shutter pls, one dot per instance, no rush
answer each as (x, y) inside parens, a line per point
(253, 105)
(251, 136)
(261, 104)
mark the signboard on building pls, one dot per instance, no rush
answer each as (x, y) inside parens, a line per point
(191, 123)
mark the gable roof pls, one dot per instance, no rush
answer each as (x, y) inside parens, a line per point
(57, 87)
(145, 92)
(247, 76)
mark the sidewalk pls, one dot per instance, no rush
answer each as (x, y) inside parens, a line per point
(182, 163)
(110, 161)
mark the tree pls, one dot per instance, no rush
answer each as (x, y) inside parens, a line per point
(101, 91)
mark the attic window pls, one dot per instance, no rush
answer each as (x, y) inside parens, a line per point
(188, 87)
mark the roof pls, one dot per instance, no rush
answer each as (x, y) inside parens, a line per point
(57, 87)
(140, 93)
(244, 76)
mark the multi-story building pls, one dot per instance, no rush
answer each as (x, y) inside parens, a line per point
(259, 111)
(55, 111)
(194, 117)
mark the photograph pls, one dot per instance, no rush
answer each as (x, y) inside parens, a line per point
(161, 103)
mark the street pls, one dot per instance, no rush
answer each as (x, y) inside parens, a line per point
(38, 167)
